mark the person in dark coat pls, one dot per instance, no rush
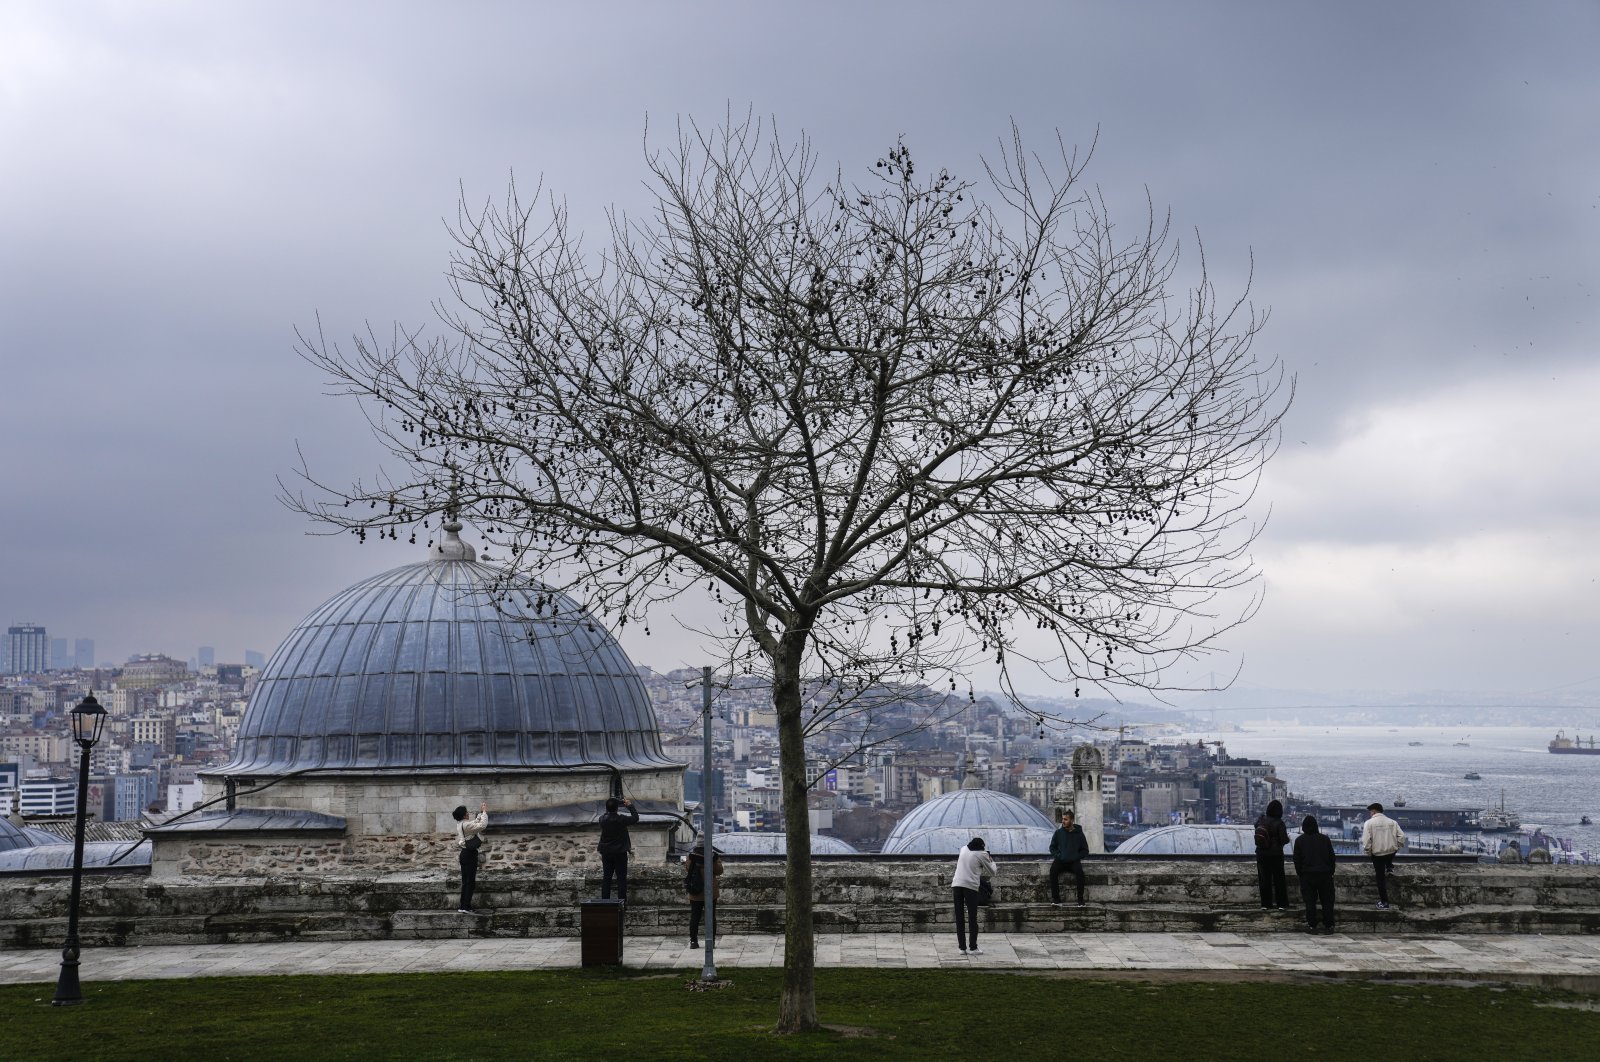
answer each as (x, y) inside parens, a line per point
(1068, 846)
(1314, 865)
(1272, 837)
(695, 885)
(615, 846)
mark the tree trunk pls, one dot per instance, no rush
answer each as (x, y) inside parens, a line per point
(799, 1007)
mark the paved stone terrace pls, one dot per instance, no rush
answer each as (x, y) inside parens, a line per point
(1568, 961)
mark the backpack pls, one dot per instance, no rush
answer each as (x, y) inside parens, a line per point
(1263, 834)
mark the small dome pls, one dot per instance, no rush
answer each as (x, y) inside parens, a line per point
(1192, 839)
(13, 836)
(776, 844)
(949, 840)
(970, 809)
(440, 665)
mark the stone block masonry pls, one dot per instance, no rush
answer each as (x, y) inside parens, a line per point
(853, 895)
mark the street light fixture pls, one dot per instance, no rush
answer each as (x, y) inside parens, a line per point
(88, 720)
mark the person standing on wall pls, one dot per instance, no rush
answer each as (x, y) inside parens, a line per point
(972, 863)
(615, 846)
(469, 838)
(694, 883)
(1272, 836)
(1068, 846)
(1314, 865)
(1381, 838)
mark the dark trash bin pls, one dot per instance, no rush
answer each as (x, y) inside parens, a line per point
(600, 932)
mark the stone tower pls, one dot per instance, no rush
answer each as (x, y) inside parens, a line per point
(1088, 805)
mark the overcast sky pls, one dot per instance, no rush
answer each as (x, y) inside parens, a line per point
(1419, 186)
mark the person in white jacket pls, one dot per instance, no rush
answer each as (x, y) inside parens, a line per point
(1381, 838)
(971, 865)
(468, 840)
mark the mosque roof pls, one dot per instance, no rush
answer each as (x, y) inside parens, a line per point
(441, 665)
(59, 856)
(1192, 839)
(776, 844)
(13, 836)
(974, 810)
(949, 840)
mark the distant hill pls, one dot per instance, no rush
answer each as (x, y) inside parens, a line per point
(1558, 709)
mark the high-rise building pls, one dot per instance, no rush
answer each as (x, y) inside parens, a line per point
(254, 659)
(83, 653)
(207, 656)
(59, 660)
(27, 649)
(43, 795)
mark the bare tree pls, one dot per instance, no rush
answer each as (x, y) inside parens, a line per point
(895, 428)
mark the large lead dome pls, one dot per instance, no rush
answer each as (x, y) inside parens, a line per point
(421, 667)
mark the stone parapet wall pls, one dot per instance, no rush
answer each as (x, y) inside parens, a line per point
(852, 895)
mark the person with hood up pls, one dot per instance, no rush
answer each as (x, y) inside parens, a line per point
(614, 846)
(694, 882)
(1314, 865)
(1272, 837)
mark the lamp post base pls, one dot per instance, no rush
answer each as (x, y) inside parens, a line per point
(68, 992)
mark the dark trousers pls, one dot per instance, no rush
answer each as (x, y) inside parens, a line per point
(1059, 867)
(1270, 877)
(614, 866)
(966, 916)
(697, 911)
(1381, 865)
(1317, 886)
(469, 878)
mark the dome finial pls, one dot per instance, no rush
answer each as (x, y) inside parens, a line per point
(451, 548)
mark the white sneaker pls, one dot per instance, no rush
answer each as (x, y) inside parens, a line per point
(974, 951)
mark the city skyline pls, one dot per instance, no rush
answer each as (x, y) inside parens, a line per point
(1410, 186)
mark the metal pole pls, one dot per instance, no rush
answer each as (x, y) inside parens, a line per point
(68, 991)
(708, 816)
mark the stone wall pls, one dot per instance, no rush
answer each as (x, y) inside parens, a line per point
(860, 894)
(205, 855)
(419, 805)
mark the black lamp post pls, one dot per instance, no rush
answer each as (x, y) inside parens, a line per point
(88, 719)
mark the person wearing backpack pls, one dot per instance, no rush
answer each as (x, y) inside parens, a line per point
(1272, 836)
(694, 883)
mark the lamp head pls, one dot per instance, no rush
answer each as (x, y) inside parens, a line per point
(88, 720)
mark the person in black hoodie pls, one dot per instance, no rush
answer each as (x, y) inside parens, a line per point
(1314, 866)
(614, 848)
(1272, 836)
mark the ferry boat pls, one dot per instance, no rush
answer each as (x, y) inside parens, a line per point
(1573, 745)
(1497, 820)
(1473, 776)
(1414, 744)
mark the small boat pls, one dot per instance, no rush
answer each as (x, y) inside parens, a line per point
(1463, 745)
(1414, 744)
(1473, 776)
(1399, 801)
(1586, 821)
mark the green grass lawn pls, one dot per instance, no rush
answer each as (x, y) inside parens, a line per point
(630, 1017)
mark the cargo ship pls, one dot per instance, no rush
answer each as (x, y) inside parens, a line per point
(1573, 745)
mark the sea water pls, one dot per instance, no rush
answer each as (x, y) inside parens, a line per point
(1361, 764)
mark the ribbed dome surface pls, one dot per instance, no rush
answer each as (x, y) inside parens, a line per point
(418, 667)
(949, 840)
(971, 809)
